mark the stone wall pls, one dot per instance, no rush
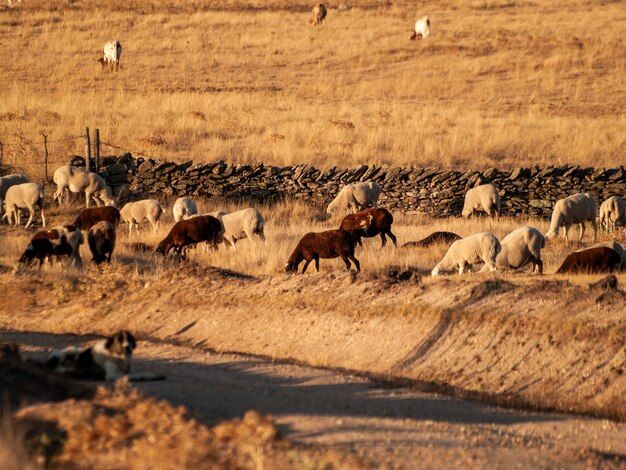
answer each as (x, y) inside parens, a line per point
(528, 191)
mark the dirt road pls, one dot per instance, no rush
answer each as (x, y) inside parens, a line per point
(394, 427)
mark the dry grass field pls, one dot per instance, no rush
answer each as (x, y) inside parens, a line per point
(498, 83)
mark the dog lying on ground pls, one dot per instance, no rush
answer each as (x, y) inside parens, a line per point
(108, 359)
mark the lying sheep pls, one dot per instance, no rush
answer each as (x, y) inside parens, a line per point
(576, 209)
(356, 196)
(591, 260)
(78, 180)
(483, 198)
(619, 249)
(433, 239)
(6, 182)
(56, 242)
(184, 208)
(24, 196)
(612, 213)
(133, 213)
(244, 223)
(329, 244)
(101, 239)
(470, 250)
(520, 247)
(203, 228)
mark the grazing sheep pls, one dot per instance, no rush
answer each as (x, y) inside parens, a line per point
(57, 242)
(101, 238)
(467, 251)
(329, 244)
(369, 223)
(520, 247)
(433, 239)
(78, 180)
(184, 208)
(576, 209)
(422, 29)
(244, 223)
(136, 212)
(24, 196)
(203, 228)
(319, 13)
(483, 198)
(612, 213)
(90, 217)
(6, 182)
(111, 54)
(591, 260)
(356, 196)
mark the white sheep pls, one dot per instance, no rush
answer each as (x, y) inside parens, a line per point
(483, 198)
(470, 250)
(244, 223)
(24, 196)
(520, 247)
(78, 180)
(576, 209)
(612, 213)
(133, 213)
(75, 238)
(356, 196)
(6, 182)
(422, 29)
(184, 208)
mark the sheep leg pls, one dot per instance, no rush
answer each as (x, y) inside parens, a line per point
(31, 211)
(383, 238)
(87, 198)
(356, 263)
(461, 268)
(306, 265)
(538, 265)
(566, 231)
(393, 238)
(582, 232)
(595, 230)
(317, 263)
(43, 219)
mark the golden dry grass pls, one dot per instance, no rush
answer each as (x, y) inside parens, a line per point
(498, 83)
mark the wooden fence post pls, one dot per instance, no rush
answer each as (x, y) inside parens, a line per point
(1, 154)
(45, 157)
(96, 148)
(87, 150)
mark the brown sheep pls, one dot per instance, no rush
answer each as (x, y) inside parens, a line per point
(329, 244)
(45, 245)
(593, 260)
(433, 239)
(90, 217)
(190, 231)
(101, 239)
(369, 223)
(319, 13)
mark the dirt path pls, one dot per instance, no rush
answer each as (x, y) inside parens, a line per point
(396, 427)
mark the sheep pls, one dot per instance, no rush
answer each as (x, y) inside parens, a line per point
(111, 54)
(612, 213)
(319, 13)
(467, 251)
(355, 197)
(101, 240)
(6, 182)
(433, 239)
(329, 244)
(57, 241)
(483, 198)
(369, 223)
(244, 223)
(135, 212)
(78, 180)
(184, 208)
(520, 247)
(90, 217)
(575, 209)
(203, 228)
(600, 259)
(620, 249)
(24, 196)
(422, 29)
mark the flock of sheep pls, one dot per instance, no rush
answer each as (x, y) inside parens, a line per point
(363, 219)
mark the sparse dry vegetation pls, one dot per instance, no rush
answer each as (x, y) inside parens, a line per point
(497, 83)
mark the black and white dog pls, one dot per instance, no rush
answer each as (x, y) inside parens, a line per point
(108, 359)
